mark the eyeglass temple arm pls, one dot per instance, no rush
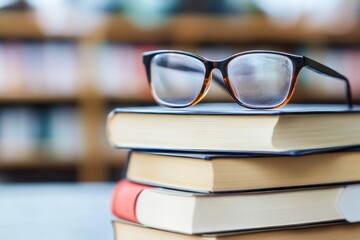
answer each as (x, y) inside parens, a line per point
(324, 70)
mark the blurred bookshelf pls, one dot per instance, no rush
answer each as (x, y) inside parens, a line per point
(57, 89)
(15, 24)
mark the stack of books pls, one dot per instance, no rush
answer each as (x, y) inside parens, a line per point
(218, 171)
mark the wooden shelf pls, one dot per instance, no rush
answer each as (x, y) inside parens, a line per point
(204, 29)
(110, 160)
(222, 29)
(6, 166)
(36, 164)
(16, 24)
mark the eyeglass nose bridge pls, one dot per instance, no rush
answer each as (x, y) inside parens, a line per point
(211, 65)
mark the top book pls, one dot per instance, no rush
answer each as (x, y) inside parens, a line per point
(293, 129)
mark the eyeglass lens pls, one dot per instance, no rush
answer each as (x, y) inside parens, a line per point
(176, 79)
(260, 80)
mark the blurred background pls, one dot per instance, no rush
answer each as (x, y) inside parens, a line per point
(64, 64)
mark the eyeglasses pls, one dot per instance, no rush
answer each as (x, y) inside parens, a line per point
(255, 79)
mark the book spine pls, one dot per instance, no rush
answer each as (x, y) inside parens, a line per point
(125, 198)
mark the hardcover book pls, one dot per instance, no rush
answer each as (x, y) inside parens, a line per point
(220, 173)
(191, 213)
(230, 128)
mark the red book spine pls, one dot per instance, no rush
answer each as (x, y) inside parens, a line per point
(125, 198)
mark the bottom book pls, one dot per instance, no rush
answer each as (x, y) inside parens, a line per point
(129, 231)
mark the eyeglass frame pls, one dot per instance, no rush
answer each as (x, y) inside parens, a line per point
(298, 62)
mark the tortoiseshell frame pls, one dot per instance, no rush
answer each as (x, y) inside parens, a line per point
(298, 63)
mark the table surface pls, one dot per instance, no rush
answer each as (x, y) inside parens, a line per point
(69, 211)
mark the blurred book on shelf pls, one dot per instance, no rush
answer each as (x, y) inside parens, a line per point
(119, 70)
(64, 138)
(31, 134)
(19, 131)
(61, 68)
(39, 68)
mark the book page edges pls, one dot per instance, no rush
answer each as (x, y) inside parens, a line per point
(332, 130)
(163, 132)
(349, 203)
